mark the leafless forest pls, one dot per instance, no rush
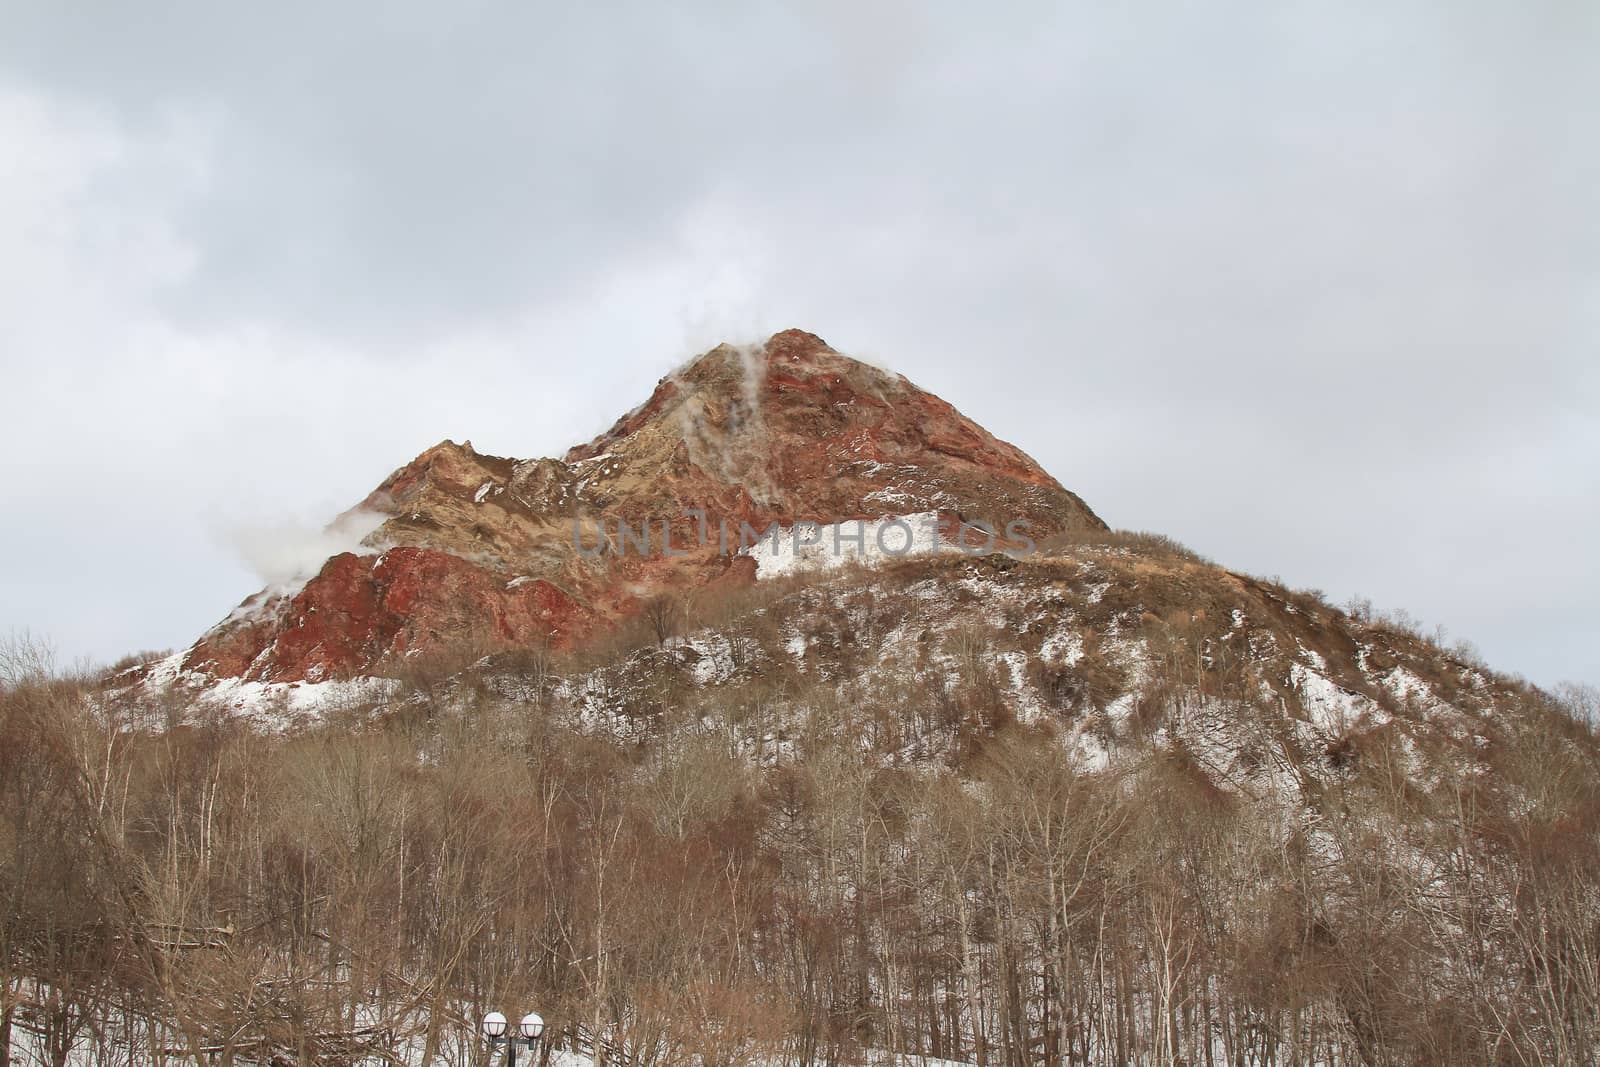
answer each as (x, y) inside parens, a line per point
(787, 870)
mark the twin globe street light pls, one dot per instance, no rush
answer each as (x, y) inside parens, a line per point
(528, 1030)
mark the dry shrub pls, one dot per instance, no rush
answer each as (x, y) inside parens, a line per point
(1140, 542)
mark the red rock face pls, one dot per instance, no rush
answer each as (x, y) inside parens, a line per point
(481, 549)
(360, 611)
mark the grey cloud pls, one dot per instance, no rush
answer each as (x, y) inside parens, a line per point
(1315, 288)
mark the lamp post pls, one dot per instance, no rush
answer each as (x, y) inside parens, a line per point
(528, 1031)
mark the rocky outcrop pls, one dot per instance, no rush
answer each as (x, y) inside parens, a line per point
(505, 552)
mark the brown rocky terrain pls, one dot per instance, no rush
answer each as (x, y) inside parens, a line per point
(486, 549)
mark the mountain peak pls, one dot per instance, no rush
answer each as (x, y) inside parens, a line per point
(486, 548)
(794, 344)
(734, 376)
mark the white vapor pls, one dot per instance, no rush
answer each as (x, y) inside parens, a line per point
(287, 555)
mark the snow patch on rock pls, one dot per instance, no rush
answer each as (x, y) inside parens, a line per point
(273, 705)
(805, 547)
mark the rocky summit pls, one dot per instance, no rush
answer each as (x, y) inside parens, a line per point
(498, 551)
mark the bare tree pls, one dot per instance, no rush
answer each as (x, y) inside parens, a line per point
(663, 614)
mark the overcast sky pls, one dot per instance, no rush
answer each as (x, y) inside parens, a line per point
(1314, 288)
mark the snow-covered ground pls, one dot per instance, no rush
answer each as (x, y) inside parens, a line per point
(458, 1049)
(805, 547)
(272, 705)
